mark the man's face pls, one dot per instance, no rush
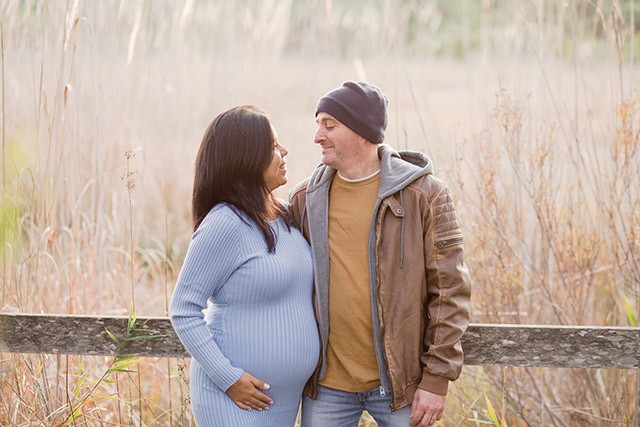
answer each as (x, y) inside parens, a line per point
(341, 147)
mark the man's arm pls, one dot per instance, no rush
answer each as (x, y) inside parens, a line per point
(297, 205)
(448, 305)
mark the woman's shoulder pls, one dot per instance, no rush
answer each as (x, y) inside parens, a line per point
(225, 210)
(222, 217)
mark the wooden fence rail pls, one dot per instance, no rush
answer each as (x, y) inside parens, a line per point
(484, 344)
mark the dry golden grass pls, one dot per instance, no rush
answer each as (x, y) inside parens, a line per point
(529, 110)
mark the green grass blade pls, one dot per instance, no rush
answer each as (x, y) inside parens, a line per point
(492, 412)
(112, 337)
(631, 315)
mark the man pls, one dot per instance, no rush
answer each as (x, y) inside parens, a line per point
(391, 288)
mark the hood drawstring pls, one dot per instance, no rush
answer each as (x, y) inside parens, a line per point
(401, 233)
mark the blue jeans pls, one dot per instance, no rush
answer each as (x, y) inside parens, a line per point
(337, 408)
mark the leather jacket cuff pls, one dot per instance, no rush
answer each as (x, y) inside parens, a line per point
(434, 384)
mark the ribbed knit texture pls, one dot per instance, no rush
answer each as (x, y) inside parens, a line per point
(260, 321)
(360, 106)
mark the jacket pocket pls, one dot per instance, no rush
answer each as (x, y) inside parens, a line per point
(442, 244)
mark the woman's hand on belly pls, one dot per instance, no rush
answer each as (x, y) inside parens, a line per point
(246, 393)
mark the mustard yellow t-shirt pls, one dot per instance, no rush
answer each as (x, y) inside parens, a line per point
(351, 360)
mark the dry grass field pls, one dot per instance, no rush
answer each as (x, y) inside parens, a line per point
(529, 108)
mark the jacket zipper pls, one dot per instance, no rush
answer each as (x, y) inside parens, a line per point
(446, 243)
(383, 391)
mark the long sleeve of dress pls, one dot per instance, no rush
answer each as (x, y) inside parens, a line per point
(211, 259)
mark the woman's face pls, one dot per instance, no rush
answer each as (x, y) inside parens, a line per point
(275, 174)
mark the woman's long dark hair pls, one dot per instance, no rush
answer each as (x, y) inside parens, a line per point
(236, 149)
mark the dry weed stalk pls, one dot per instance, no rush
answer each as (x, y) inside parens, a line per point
(539, 249)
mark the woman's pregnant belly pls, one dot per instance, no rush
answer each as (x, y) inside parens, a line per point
(281, 348)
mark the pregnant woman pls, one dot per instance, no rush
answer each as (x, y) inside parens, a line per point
(249, 270)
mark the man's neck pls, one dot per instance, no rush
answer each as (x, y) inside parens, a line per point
(363, 168)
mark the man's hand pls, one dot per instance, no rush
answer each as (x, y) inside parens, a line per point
(426, 409)
(246, 394)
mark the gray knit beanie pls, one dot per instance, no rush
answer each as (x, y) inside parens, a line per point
(359, 106)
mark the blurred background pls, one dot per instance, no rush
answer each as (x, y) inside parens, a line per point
(528, 108)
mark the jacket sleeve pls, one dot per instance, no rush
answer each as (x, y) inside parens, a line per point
(297, 206)
(448, 293)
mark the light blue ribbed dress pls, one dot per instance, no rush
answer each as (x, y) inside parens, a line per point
(260, 321)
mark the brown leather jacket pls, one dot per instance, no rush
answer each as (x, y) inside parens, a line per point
(420, 284)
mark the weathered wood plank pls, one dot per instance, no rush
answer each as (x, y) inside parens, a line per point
(503, 345)
(86, 335)
(552, 346)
